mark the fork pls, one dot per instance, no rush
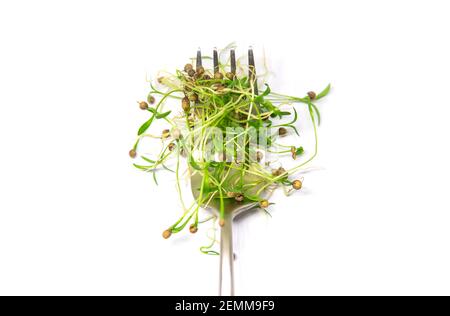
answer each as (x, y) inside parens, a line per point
(232, 207)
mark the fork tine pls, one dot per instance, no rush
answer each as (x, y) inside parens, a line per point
(252, 70)
(216, 60)
(233, 61)
(199, 58)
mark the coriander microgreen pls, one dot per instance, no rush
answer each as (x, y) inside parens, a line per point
(224, 101)
(324, 92)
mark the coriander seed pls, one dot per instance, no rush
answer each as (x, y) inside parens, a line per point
(230, 75)
(165, 133)
(297, 184)
(200, 70)
(264, 204)
(143, 105)
(282, 131)
(193, 97)
(166, 234)
(188, 67)
(312, 95)
(185, 104)
(259, 156)
(193, 229)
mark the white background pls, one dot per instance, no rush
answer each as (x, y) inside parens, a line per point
(77, 218)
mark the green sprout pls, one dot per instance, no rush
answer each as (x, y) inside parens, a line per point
(224, 102)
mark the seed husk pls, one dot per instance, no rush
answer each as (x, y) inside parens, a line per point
(200, 70)
(282, 131)
(278, 172)
(165, 133)
(294, 152)
(186, 104)
(218, 75)
(297, 184)
(264, 204)
(166, 234)
(191, 73)
(231, 194)
(143, 105)
(171, 146)
(206, 77)
(312, 95)
(218, 87)
(259, 156)
(239, 197)
(193, 229)
(132, 153)
(193, 97)
(188, 67)
(230, 75)
(151, 99)
(175, 133)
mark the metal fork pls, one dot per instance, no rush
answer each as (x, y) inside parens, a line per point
(232, 207)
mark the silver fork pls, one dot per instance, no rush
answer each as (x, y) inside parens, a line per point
(232, 207)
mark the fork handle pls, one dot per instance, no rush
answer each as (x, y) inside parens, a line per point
(226, 277)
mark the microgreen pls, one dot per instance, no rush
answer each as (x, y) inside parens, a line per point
(213, 132)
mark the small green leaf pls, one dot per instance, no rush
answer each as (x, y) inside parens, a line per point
(295, 117)
(299, 151)
(162, 115)
(277, 112)
(267, 91)
(168, 169)
(268, 105)
(294, 128)
(255, 123)
(148, 160)
(218, 100)
(208, 252)
(260, 98)
(193, 163)
(145, 126)
(141, 167)
(324, 92)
